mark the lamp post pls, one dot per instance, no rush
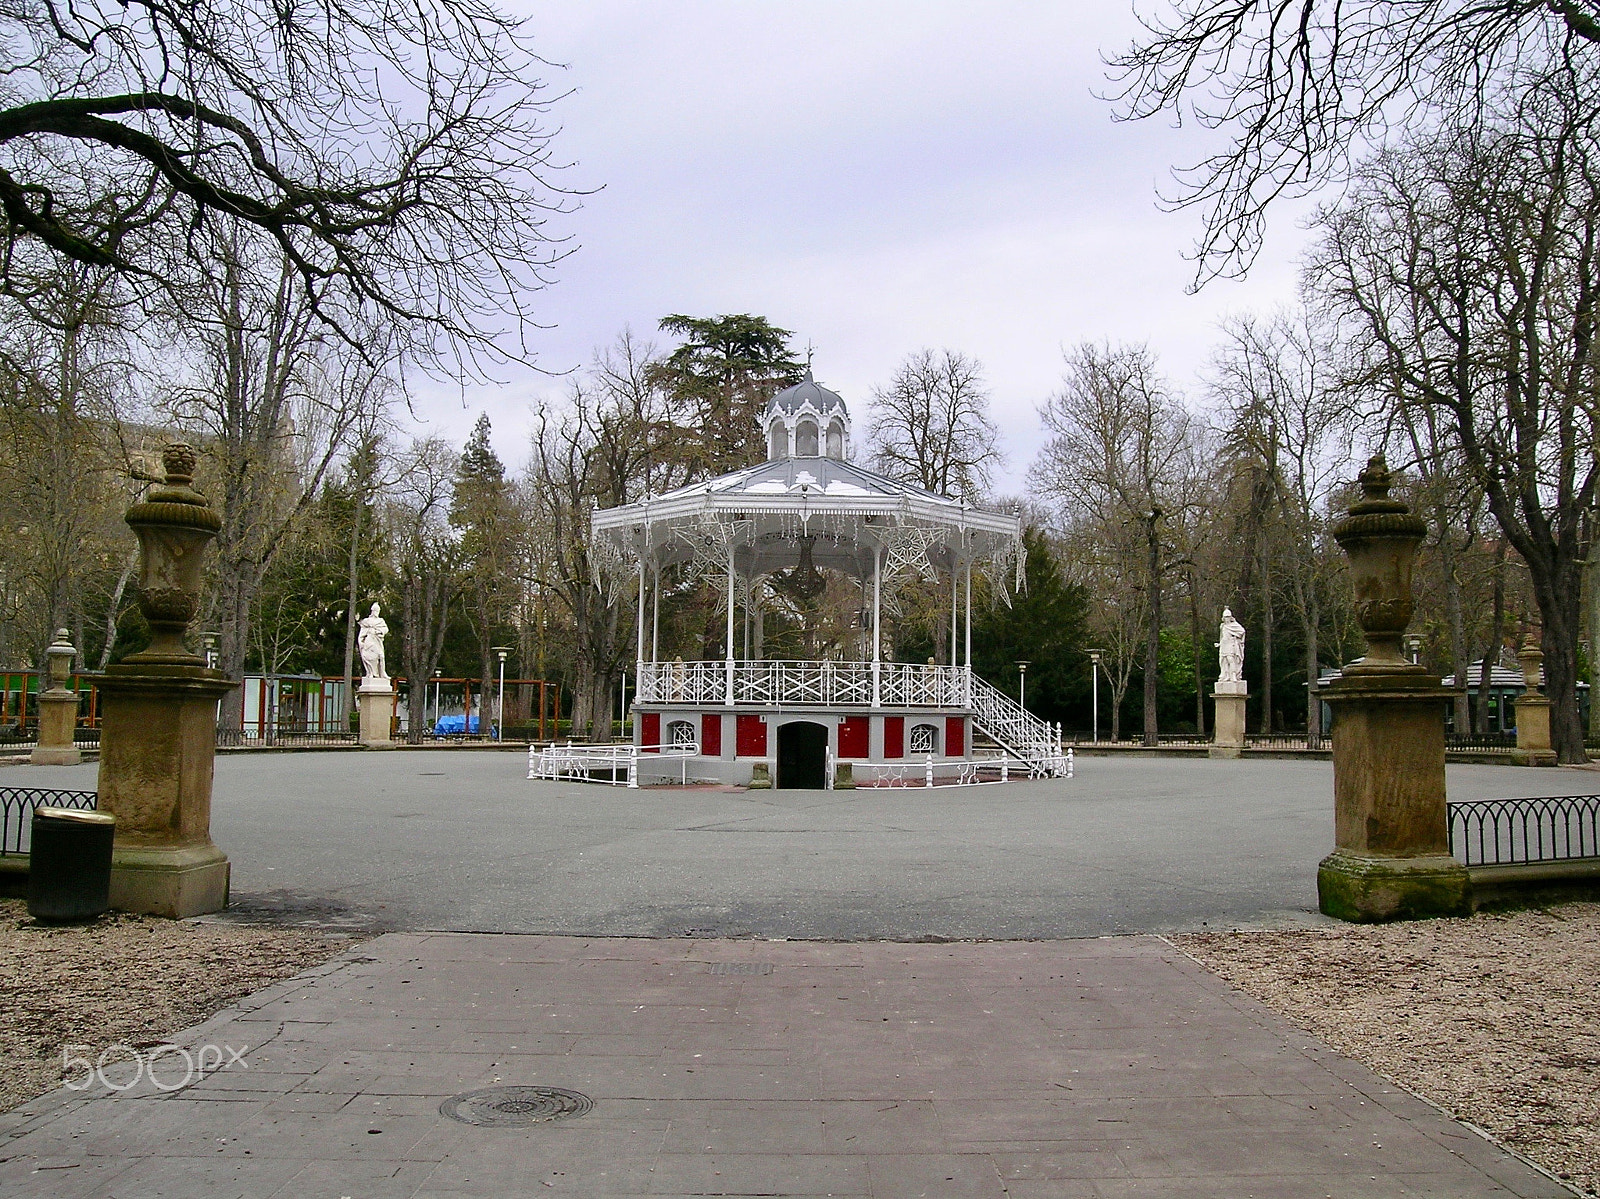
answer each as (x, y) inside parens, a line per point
(1022, 684)
(500, 703)
(1094, 687)
(438, 698)
(1414, 644)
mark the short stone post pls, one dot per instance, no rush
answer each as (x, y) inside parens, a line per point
(159, 717)
(1533, 710)
(58, 708)
(844, 776)
(1227, 727)
(1392, 852)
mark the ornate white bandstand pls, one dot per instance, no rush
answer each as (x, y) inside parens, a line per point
(805, 510)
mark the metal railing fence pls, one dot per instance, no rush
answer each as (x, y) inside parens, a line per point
(1503, 832)
(17, 805)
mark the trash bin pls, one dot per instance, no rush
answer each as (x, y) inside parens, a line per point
(69, 864)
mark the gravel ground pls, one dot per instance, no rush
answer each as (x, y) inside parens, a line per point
(125, 980)
(1495, 1018)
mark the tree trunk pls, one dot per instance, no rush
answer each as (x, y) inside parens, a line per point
(1455, 618)
(1266, 641)
(1557, 593)
(1152, 636)
(1313, 668)
(1497, 633)
(352, 603)
(114, 609)
(1199, 656)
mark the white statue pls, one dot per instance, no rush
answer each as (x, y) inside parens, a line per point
(1230, 649)
(373, 630)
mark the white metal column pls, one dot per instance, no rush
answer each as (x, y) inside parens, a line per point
(966, 699)
(639, 639)
(655, 616)
(729, 695)
(877, 636)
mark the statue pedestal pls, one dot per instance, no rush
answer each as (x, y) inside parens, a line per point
(1533, 731)
(1391, 859)
(377, 715)
(58, 719)
(157, 749)
(1227, 726)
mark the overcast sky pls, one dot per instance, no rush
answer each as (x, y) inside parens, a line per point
(876, 177)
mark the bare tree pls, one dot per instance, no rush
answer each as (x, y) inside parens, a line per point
(931, 425)
(1286, 443)
(1118, 447)
(427, 564)
(277, 401)
(390, 153)
(1470, 262)
(1299, 85)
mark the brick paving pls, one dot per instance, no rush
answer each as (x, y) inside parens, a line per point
(1103, 1067)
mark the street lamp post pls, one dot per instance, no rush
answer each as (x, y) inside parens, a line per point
(1094, 686)
(500, 703)
(1022, 684)
(438, 698)
(1414, 644)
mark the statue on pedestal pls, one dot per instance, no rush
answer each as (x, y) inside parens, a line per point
(370, 642)
(1230, 649)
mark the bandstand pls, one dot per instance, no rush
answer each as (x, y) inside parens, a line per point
(806, 510)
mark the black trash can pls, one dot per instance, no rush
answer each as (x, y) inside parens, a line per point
(69, 864)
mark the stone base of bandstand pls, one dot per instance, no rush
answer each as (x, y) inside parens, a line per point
(1392, 857)
(377, 716)
(157, 752)
(1227, 727)
(58, 719)
(1533, 732)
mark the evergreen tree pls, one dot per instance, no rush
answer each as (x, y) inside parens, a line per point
(482, 509)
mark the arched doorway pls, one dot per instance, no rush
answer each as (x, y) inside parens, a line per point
(802, 755)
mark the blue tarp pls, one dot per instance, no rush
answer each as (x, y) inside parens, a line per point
(455, 724)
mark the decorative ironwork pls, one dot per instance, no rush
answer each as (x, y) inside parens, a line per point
(1503, 832)
(516, 1107)
(17, 806)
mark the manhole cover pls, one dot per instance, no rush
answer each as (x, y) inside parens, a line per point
(515, 1107)
(741, 968)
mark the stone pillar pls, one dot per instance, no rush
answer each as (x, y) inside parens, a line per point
(377, 713)
(1227, 732)
(58, 708)
(159, 717)
(1533, 710)
(1392, 856)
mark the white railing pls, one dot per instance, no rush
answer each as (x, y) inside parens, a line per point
(821, 684)
(1018, 731)
(980, 772)
(614, 764)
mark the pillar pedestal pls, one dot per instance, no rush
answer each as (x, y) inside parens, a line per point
(1533, 732)
(377, 716)
(1227, 726)
(157, 751)
(1392, 857)
(58, 719)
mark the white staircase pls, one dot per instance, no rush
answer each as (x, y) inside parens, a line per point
(1017, 731)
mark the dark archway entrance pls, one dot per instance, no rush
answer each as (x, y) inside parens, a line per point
(802, 755)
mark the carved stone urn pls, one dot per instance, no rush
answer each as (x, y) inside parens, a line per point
(1380, 537)
(174, 524)
(159, 716)
(1392, 849)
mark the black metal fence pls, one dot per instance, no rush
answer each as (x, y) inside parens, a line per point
(1503, 832)
(1500, 741)
(238, 738)
(17, 806)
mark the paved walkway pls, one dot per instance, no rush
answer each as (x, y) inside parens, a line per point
(1110, 1067)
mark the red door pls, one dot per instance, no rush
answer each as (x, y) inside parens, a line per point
(955, 736)
(711, 735)
(853, 737)
(650, 731)
(751, 736)
(894, 736)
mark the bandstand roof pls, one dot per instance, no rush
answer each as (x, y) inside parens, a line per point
(767, 514)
